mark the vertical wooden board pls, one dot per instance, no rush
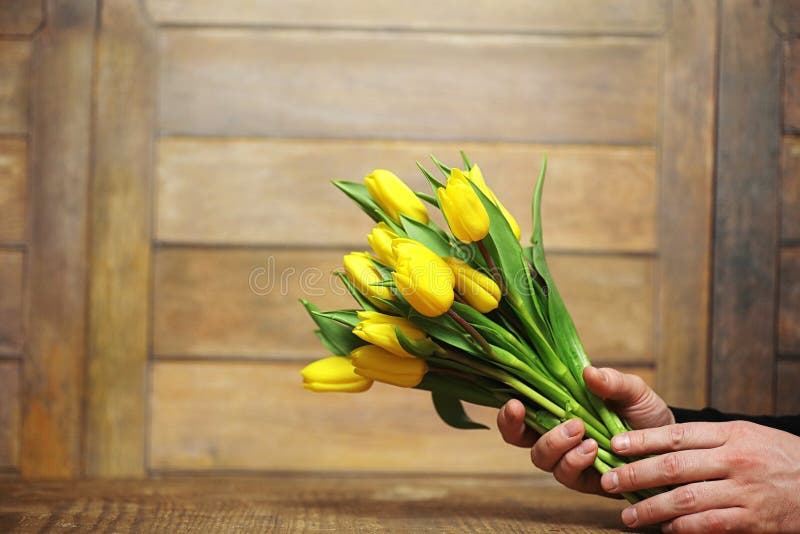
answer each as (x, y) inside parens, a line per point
(685, 197)
(269, 191)
(787, 398)
(791, 85)
(351, 84)
(14, 85)
(257, 416)
(13, 189)
(9, 413)
(789, 302)
(790, 188)
(786, 17)
(119, 286)
(565, 16)
(20, 17)
(746, 221)
(611, 301)
(57, 260)
(11, 289)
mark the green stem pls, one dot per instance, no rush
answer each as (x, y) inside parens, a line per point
(487, 348)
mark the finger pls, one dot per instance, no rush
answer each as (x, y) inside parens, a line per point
(574, 469)
(684, 500)
(671, 438)
(711, 521)
(671, 468)
(553, 445)
(608, 383)
(511, 423)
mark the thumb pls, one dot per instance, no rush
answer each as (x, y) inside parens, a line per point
(610, 384)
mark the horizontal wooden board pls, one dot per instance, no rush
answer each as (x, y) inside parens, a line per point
(790, 188)
(243, 302)
(257, 416)
(11, 280)
(348, 84)
(20, 17)
(9, 413)
(13, 189)
(271, 191)
(787, 401)
(791, 85)
(626, 16)
(14, 84)
(789, 302)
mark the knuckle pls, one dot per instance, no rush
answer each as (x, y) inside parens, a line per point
(685, 499)
(717, 522)
(671, 466)
(629, 474)
(676, 435)
(739, 460)
(646, 511)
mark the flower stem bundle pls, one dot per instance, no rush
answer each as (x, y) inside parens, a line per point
(467, 314)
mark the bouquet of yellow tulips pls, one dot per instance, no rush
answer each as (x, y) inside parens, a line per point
(469, 315)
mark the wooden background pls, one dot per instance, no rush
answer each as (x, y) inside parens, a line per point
(165, 200)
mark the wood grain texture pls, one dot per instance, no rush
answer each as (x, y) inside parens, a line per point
(351, 84)
(11, 290)
(686, 195)
(790, 188)
(120, 242)
(243, 302)
(13, 189)
(20, 17)
(566, 16)
(269, 191)
(282, 504)
(9, 413)
(15, 59)
(256, 416)
(746, 222)
(786, 17)
(791, 85)
(789, 301)
(57, 260)
(787, 394)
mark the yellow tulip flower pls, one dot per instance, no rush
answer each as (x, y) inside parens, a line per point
(394, 196)
(362, 273)
(378, 329)
(380, 239)
(335, 373)
(381, 365)
(422, 277)
(480, 291)
(464, 211)
(476, 176)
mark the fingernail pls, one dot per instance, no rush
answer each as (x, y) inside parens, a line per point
(610, 481)
(586, 447)
(621, 442)
(571, 428)
(629, 516)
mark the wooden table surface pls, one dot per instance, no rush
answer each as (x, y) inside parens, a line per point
(304, 503)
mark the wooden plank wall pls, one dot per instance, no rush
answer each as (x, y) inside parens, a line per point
(18, 21)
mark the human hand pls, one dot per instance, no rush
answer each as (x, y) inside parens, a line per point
(562, 450)
(739, 476)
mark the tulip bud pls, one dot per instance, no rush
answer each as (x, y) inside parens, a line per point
(380, 239)
(476, 176)
(422, 277)
(381, 365)
(362, 273)
(479, 290)
(462, 208)
(395, 197)
(378, 329)
(335, 373)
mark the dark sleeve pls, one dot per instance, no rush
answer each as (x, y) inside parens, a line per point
(787, 423)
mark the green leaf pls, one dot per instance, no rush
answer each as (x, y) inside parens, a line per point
(442, 167)
(384, 283)
(428, 236)
(356, 294)
(465, 159)
(435, 184)
(452, 412)
(336, 334)
(430, 199)
(345, 317)
(421, 348)
(359, 194)
(333, 349)
(444, 329)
